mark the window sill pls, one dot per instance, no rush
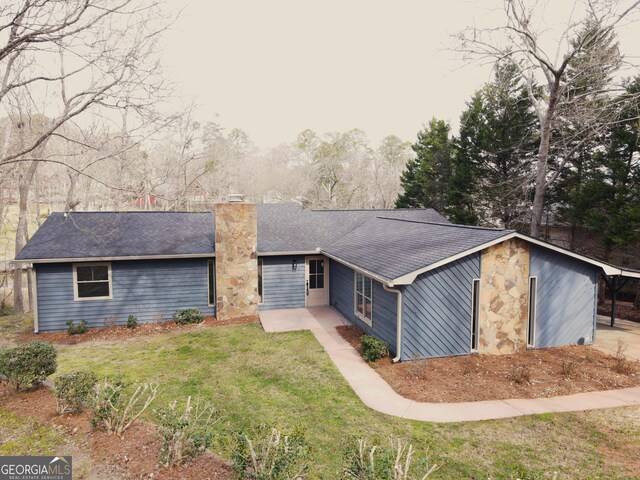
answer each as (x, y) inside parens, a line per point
(92, 299)
(364, 319)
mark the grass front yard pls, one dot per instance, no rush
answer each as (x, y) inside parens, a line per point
(289, 381)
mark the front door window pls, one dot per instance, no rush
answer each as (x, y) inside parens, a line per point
(317, 281)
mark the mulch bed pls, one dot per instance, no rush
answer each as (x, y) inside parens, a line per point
(134, 456)
(529, 374)
(117, 332)
(624, 310)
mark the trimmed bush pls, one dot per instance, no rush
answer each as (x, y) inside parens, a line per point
(132, 322)
(115, 406)
(396, 462)
(373, 349)
(189, 315)
(271, 455)
(27, 365)
(185, 433)
(73, 329)
(73, 390)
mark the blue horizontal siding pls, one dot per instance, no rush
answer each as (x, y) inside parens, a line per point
(342, 298)
(566, 305)
(436, 311)
(148, 289)
(282, 287)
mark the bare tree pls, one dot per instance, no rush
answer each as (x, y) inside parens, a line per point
(77, 58)
(585, 50)
(388, 163)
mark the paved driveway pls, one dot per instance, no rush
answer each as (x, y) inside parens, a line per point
(607, 337)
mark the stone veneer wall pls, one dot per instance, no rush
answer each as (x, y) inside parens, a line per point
(236, 244)
(504, 294)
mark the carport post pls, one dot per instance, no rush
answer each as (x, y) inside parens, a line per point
(614, 292)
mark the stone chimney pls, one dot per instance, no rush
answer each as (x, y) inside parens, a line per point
(236, 245)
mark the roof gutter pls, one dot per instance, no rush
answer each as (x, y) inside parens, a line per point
(398, 321)
(113, 259)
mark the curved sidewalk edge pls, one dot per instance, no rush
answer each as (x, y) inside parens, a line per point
(377, 394)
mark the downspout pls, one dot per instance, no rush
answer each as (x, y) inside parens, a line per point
(398, 321)
(34, 300)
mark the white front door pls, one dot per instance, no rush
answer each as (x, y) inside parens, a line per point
(317, 281)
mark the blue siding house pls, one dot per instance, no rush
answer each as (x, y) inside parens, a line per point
(426, 287)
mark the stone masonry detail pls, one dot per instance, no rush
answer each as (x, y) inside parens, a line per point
(504, 294)
(236, 243)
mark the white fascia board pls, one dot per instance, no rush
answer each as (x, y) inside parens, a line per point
(628, 273)
(408, 278)
(358, 269)
(113, 259)
(276, 254)
(608, 269)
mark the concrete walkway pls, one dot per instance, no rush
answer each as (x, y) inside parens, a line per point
(376, 393)
(607, 337)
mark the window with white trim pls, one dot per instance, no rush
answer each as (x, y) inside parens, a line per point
(92, 281)
(531, 326)
(211, 280)
(260, 281)
(364, 298)
(475, 314)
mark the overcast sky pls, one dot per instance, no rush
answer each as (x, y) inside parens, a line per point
(277, 67)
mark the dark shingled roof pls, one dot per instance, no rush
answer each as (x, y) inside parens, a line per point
(289, 228)
(281, 228)
(390, 248)
(120, 234)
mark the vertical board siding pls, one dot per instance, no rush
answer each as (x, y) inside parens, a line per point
(565, 302)
(148, 289)
(282, 287)
(436, 318)
(341, 297)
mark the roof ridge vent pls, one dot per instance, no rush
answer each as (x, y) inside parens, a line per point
(426, 222)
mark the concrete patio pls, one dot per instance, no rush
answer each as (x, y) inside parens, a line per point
(607, 337)
(376, 393)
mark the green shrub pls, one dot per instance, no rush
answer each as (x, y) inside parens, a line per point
(271, 455)
(27, 365)
(373, 349)
(6, 309)
(185, 433)
(73, 390)
(79, 329)
(132, 322)
(115, 406)
(189, 315)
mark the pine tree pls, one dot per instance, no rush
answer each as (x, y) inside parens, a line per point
(425, 181)
(607, 200)
(494, 153)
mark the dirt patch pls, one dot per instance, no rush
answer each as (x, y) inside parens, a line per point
(118, 332)
(352, 335)
(134, 456)
(624, 310)
(529, 374)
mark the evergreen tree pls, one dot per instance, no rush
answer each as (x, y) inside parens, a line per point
(607, 200)
(425, 180)
(494, 153)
